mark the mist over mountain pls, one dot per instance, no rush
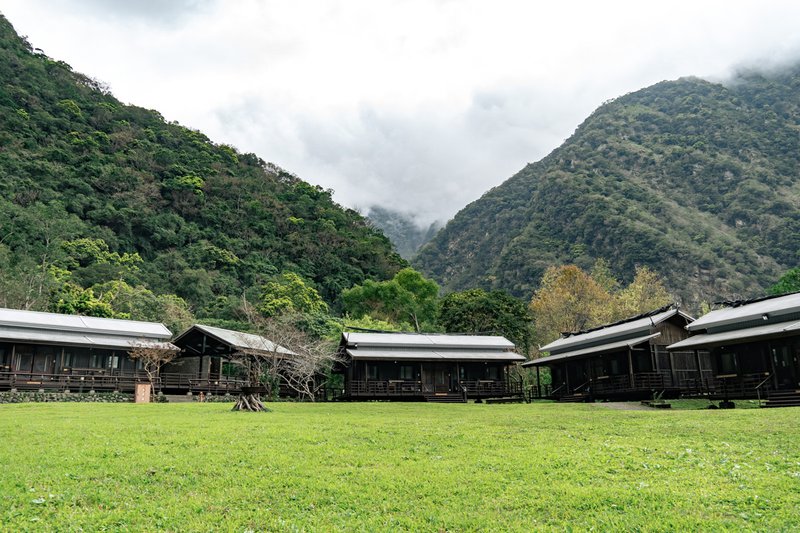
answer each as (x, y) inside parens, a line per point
(402, 229)
(694, 179)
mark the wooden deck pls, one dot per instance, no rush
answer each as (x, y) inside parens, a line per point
(409, 389)
(100, 380)
(644, 384)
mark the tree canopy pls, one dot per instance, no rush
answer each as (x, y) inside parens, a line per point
(570, 300)
(490, 313)
(789, 282)
(407, 298)
(110, 192)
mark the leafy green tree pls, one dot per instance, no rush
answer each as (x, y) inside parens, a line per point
(789, 282)
(479, 311)
(197, 219)
(289, 293)
(567, 300)
(645, 293)
(140, 303)
(72, 299)
(408, 297)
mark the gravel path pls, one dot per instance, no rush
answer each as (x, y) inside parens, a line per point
(624, 406)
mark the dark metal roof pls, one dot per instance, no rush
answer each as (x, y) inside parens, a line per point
(612, 332)
(604, 348)
(433, 355)
(237, 340)
(53, 322)
(74, 330)
(746, 311)
(428, 347)
(431, 340)
(737, 336)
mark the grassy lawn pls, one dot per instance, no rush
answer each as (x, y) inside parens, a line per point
(379, 467)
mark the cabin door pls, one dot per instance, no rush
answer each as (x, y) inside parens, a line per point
(785, 362)
(437, 378)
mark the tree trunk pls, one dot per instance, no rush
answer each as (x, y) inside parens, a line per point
(250, 402)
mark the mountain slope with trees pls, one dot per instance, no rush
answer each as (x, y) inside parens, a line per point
(94, 192)
(402, 230)
(696, 180)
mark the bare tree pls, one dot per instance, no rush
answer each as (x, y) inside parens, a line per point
(250, 394)
(289, 356)
(306, 369)
(152, 358)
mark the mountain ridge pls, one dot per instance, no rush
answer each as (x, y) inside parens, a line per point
(694, 179)
(209, 224)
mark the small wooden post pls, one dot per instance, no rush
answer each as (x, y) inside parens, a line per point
(538, 383)
(699, 369)
(142, 394)
(630, 367)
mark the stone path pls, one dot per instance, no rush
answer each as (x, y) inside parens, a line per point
(625, 406)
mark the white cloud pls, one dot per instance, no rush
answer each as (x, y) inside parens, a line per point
(416, 105)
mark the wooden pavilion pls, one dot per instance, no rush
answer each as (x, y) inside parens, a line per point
(623, 360)
(210, 360)
(430, 367)
(754, 347)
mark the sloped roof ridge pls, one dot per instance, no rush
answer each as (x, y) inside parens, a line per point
(422, 333)
(654, 312)
(746, 301)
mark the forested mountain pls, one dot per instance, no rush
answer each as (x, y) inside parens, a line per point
(696, 180)
(93, 191)
(402, 230)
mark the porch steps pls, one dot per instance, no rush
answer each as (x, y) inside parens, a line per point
(788, 398)
(445, 397)
(577, 397)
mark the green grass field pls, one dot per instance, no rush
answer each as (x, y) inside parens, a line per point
(384, 467)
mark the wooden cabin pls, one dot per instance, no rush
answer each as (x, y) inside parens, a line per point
(754, 346)
(50, 351)
(210, 360)
(431, 367)
(623, 360)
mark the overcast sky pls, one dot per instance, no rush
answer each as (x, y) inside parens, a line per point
(418, 106)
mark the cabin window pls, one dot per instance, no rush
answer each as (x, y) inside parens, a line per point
(492, 372)
(372, 372)
(643, 362)
(614, 367)
(95, 361)
(727, 363)
(113, 362)
(67, 361)
(24, 358)
(407, 372)
(5, 357)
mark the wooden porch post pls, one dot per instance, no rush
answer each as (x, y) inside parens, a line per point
(672, 366)
(538, 382)
(771, 366)
(630, 366)
(654, 357)
(699, 368)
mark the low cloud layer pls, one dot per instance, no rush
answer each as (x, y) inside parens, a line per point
(417, 106)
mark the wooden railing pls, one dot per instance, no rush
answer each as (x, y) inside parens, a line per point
(742, 386)
(385, 388)
(400, 388)
(84, 380)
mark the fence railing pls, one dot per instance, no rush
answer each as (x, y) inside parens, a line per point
(400, 388)
(84, 380)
